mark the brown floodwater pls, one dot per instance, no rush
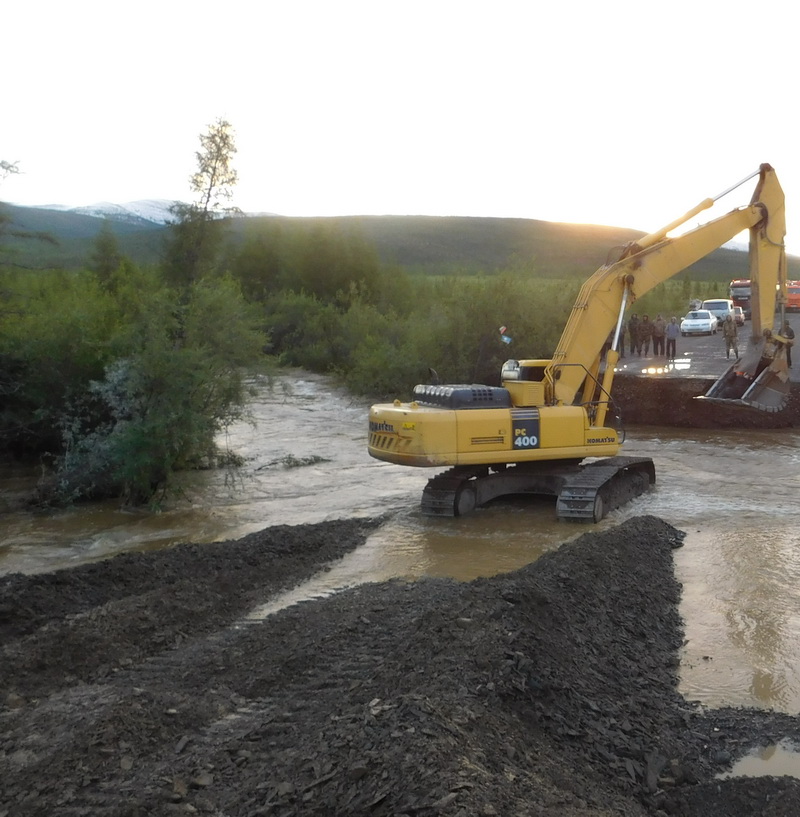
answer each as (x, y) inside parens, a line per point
(734, 493)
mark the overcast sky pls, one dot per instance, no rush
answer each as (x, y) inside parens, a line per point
(619, 113)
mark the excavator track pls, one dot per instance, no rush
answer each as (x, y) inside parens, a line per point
(583, 492)
(604, 485)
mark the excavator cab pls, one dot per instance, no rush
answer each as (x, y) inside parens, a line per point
(525, 381)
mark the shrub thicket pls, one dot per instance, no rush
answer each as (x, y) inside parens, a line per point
(116, 386)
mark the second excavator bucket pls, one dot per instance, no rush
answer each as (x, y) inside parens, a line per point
(759, 379)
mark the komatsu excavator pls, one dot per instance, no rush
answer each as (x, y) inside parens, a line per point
(544, 430)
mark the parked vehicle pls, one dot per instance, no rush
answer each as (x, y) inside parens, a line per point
(740, 293)
(719, 307)
(793, 296)
(738, 315)
(699, 322)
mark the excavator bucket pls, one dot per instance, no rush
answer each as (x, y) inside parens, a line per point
(754, 381)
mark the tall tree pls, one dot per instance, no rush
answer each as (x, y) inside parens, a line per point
(215, 177)
(197, 232)
(106, 256)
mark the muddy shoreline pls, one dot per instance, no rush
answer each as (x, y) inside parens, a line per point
(134, 686)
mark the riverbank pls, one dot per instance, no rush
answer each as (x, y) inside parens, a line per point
(135, 686)
(672, 402)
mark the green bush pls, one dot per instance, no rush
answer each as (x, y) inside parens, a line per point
(59, 332)
(121, 384)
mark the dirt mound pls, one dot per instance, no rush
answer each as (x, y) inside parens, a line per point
(136, 687)
(671, 401)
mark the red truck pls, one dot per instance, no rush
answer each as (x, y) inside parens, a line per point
(793, 296)
(740, 293)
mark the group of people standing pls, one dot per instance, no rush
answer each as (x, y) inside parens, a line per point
(663, 336)
(642, 332)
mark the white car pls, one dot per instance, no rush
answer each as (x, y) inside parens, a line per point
(719, 307)
(699, 322)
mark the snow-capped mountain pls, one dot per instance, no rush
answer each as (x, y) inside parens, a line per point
(144, 211)
(151, 211)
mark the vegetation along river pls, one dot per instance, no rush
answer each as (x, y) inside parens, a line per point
(733, 492)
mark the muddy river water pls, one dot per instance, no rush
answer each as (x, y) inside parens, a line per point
(734, 493)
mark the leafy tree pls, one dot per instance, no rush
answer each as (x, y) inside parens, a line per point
(56, 335)
(304, 331)
(196, 235)
(325, 261)
(260, 266)
(394, 291)
(92, 377)
(387, 354)
(159, 407)
(215, 177)
(106, 256)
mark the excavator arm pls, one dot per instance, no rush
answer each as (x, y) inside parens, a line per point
(655, 258)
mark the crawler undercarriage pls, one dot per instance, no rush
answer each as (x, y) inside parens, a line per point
(583, 492)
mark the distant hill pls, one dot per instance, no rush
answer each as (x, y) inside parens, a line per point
(73, 234)
(420, 244)
(452, 244)
(447, 245)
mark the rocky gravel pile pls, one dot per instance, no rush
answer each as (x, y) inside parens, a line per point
(138, 686)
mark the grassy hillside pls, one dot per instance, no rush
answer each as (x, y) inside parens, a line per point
(459, 245)
(422, 244)
(64, 225)
(468, 245)
(71, 236)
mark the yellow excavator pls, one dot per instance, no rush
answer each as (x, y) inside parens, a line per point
(544, 430)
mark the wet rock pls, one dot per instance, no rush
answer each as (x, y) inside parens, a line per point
(202, 780)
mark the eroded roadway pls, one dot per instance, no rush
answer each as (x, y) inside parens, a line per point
(700, 356)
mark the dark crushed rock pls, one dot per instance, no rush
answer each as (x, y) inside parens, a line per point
(671, 401)
(133, 687)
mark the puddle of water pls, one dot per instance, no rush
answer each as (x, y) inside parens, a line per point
(778, 760)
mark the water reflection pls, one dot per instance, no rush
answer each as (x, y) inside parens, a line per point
(679, 366)
(777, 760)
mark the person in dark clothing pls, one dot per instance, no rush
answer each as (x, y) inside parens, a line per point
(645, 333)
(731, 335)
(659, 332)
(633, 334)
(788, 333)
